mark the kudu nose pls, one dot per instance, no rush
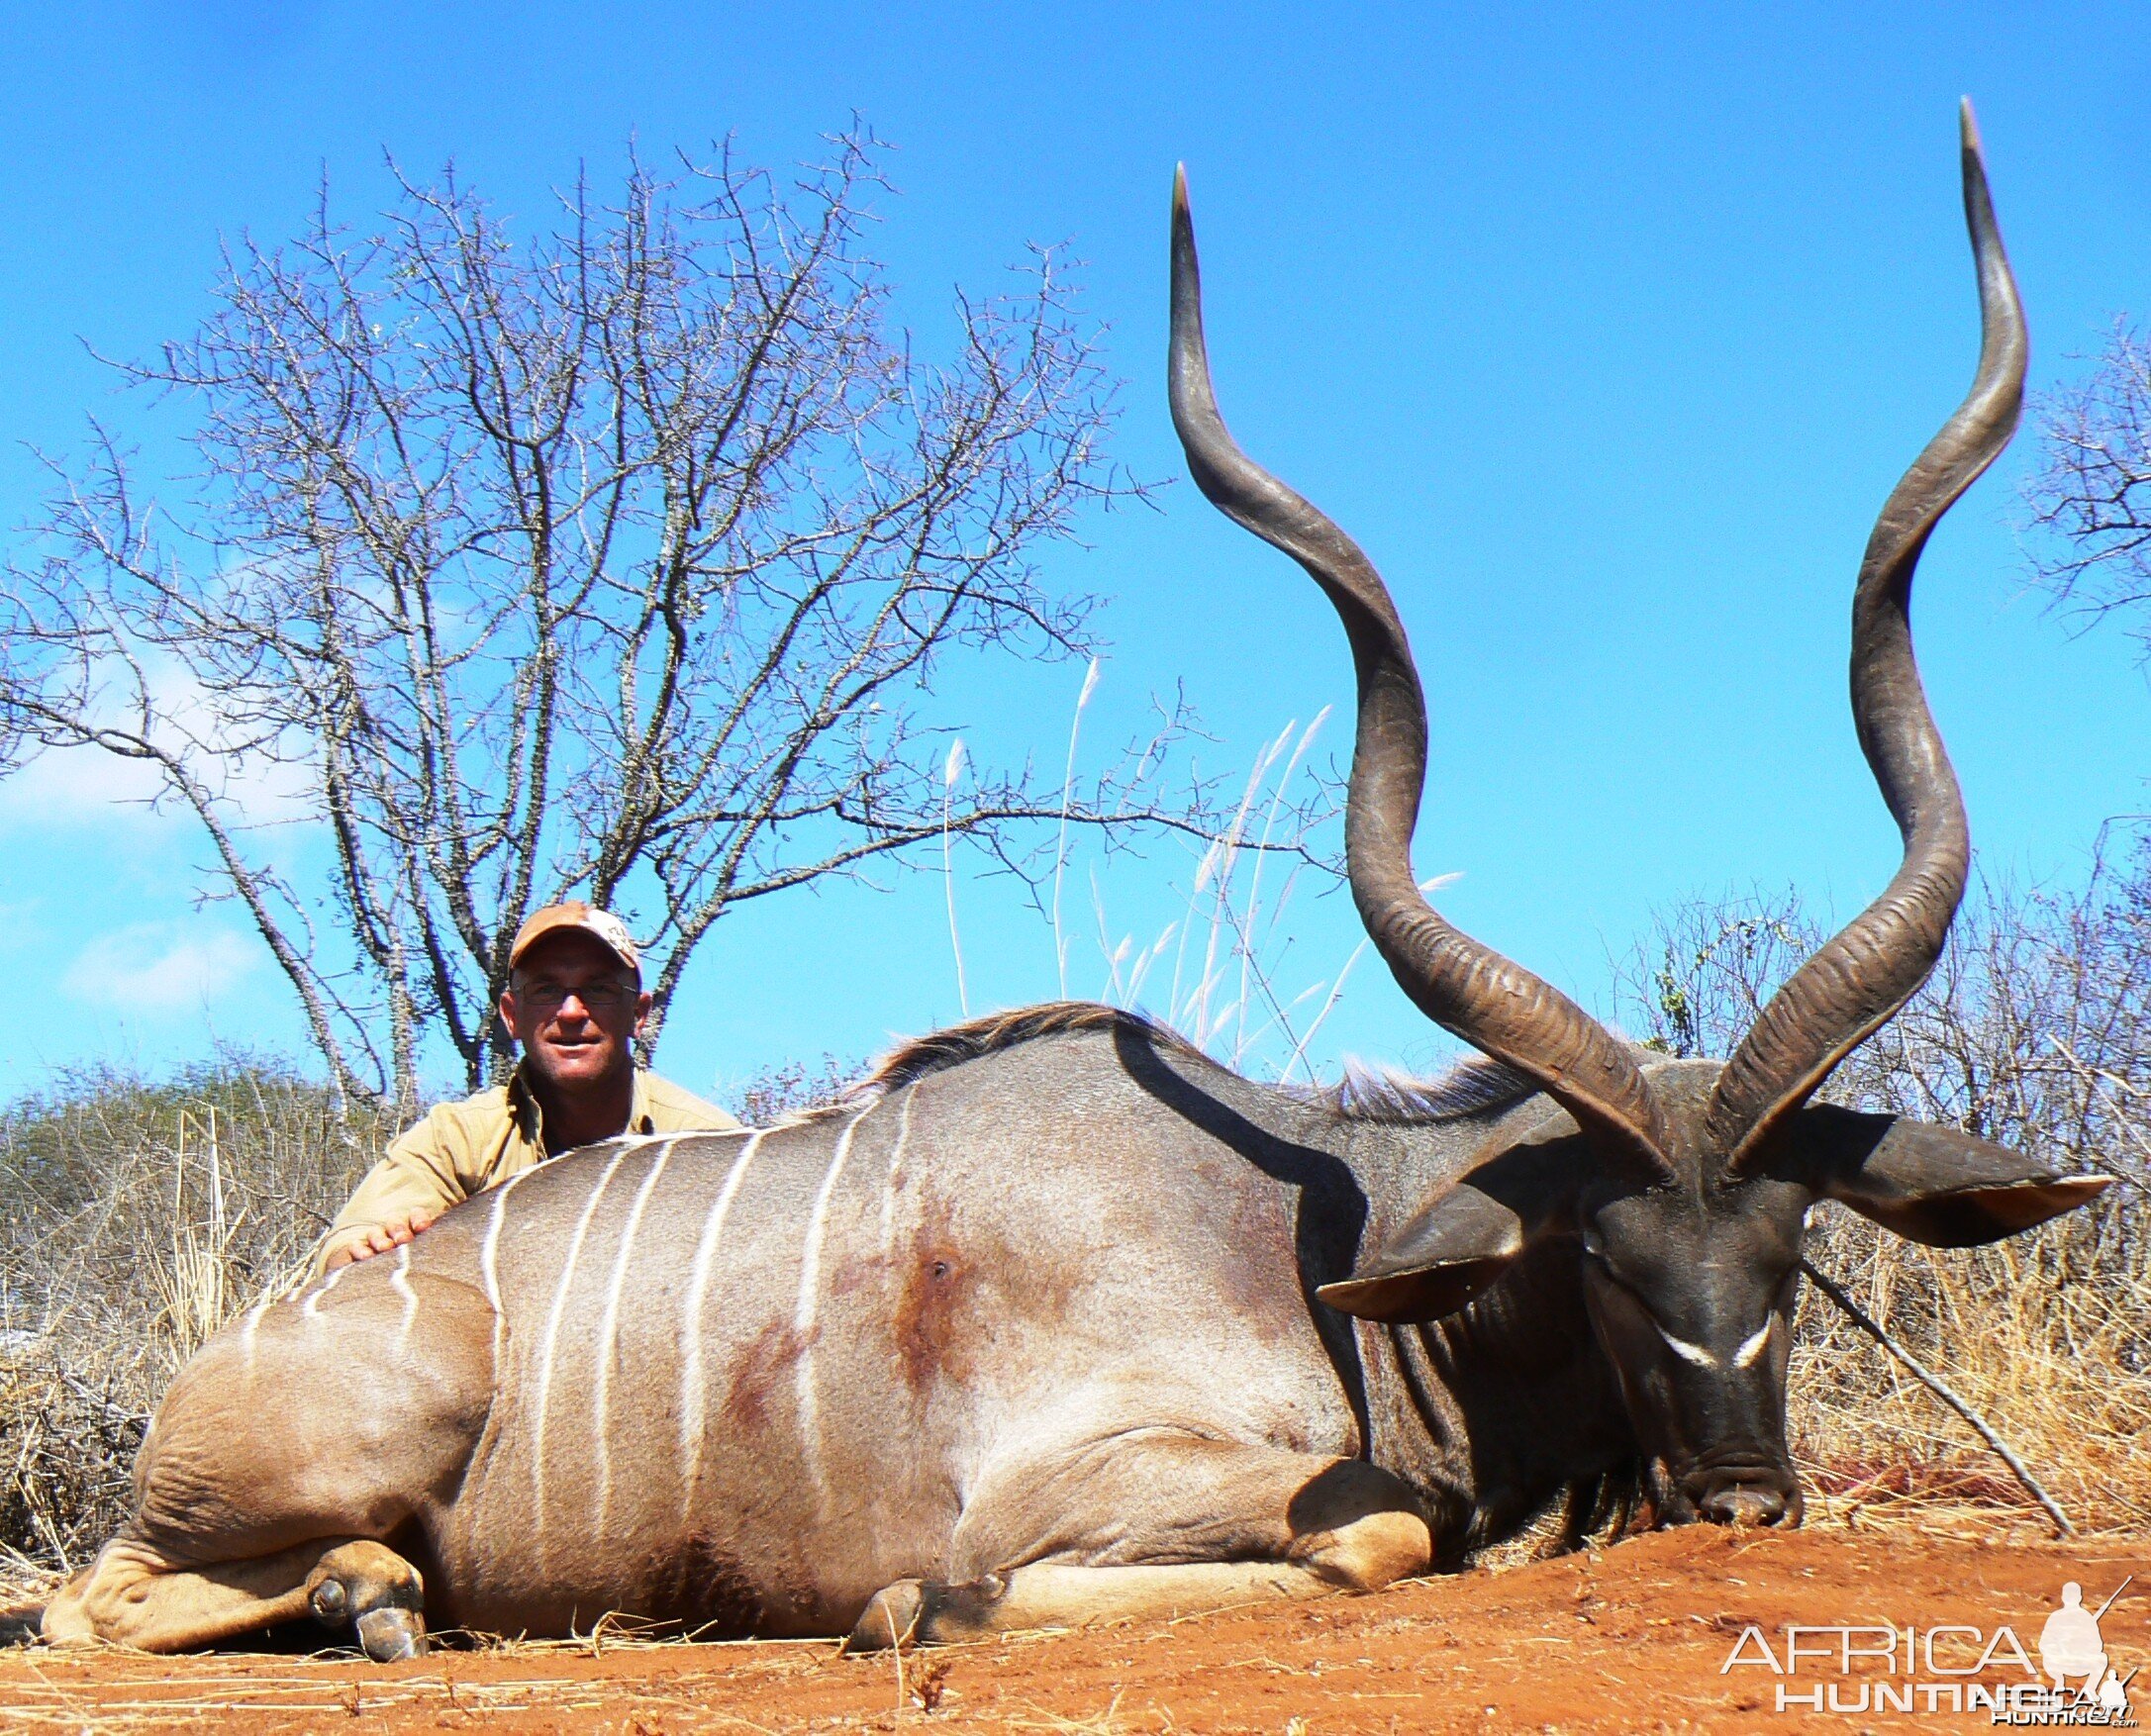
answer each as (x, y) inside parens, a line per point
(1739, 1491)
(1742, 1504)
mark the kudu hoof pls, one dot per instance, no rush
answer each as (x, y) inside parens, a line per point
(388, 1636)
(891, 1618)
(926, 1612)
(366, 1587)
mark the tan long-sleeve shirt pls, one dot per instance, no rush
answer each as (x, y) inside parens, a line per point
(463, 1148)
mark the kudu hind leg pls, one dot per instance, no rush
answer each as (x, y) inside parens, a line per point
(281, 1457)
(1280, 1524)
(134, 1594)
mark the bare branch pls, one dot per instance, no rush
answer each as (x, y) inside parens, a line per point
(1943, 1390)
(2092, 489)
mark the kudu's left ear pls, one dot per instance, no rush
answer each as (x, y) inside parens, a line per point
(1464, 1238)
(1931, 1184)
(1448, 1253)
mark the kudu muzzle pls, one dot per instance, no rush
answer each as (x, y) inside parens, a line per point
(1741, 1473)
(1738, 1492)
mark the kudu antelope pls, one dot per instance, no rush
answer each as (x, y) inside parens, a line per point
(1056, 1321)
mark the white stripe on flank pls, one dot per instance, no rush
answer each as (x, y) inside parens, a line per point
(254, 1323)
(552, 1342)
(609, 1329)
(489, 1260)
(1687, 1352)
(312, 1308)
(810, 1296)
(693, 1399)
(896, 1167)
(1752, 1347)
(489, 1250)
(400, 1281)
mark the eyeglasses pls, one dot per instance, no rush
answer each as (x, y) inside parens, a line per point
(601, 997)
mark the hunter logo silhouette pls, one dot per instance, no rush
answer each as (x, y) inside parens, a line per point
(2070, 1646)
(2069, 1643)
(1950, 1666)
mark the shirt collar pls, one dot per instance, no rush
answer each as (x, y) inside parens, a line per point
(523, 1104)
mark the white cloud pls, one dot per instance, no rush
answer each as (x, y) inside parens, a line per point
(158, 967)
(88, 787)
(79, 786)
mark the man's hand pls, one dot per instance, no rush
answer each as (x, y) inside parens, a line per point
(383, 1238)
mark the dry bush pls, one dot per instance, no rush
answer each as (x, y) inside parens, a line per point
(135, 1219)
(791, 1086)
(2034, 1031)
(2040, 1334)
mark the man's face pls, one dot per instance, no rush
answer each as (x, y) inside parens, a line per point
(575, 1009)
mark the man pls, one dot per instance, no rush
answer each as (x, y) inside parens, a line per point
(575, 1003)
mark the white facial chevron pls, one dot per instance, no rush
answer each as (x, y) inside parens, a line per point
(1751, 1347)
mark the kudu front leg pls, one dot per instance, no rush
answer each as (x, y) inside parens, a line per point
(1275, 1525)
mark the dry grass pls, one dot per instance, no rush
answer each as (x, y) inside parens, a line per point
(135, 1219)
(2045, 1336)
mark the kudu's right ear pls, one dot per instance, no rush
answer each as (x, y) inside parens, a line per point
(1464, 1238)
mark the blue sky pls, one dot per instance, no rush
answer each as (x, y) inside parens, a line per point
(1606, 330)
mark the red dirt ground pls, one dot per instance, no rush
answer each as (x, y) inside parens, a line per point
(1629, 1639)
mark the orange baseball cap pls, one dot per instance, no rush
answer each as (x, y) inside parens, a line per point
(574, 914)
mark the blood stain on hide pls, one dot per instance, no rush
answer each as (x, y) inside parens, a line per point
(756, 1372)
(926, 1326)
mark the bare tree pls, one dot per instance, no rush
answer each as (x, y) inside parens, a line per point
(2034, 1029)
(619, 559)
(1696, 985)
(2093, 487)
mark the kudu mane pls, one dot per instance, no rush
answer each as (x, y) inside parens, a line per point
(1472, 1087)
(1476, 1085)
(992, 1032)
